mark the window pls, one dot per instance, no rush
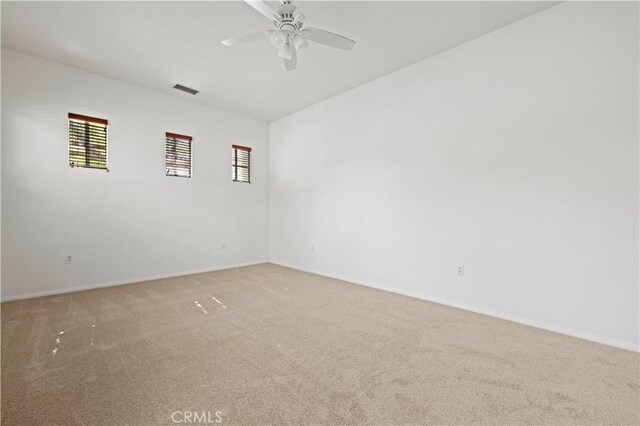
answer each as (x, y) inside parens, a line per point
(178, 155)
(241, 166)
(87, 142)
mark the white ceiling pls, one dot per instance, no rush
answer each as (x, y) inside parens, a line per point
(157, 44)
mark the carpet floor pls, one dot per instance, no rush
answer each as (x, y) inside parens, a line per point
(271, 345)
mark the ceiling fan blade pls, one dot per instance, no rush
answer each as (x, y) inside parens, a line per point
(328, 38)
(247, 37)
(263, 8)
(291, 64)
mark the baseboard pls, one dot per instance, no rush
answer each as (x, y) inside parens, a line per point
(125, 282)
(533, 323)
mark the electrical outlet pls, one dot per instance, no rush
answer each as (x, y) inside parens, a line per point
(313, 249)
(68, 259)
(460, 270)
(224, 246)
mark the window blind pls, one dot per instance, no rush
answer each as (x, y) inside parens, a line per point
(87, 142)
(178, 155)
(241, 165)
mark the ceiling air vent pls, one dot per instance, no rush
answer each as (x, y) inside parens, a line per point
(186, 89)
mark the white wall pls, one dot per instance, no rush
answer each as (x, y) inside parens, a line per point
(134, 222)
(515, 154)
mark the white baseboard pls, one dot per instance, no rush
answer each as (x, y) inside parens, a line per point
(125, 282)
(533, 323)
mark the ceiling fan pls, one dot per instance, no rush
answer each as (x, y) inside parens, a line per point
(290, 34)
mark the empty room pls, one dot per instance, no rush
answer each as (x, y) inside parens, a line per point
(320, 212)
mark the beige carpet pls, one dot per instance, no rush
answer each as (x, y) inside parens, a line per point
(271, 345)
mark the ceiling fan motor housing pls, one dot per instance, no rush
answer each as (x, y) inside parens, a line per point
(288, 26)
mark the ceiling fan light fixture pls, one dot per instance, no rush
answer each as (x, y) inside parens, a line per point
(285, 51)
(299, 42)
(278, 38)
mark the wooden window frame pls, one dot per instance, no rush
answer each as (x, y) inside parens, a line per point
(235, 165)
(183, 138)
(88, 121)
